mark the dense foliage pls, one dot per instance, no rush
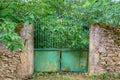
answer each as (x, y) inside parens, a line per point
(75, 14)
(68, 24)
(13, 13)
(61, 28)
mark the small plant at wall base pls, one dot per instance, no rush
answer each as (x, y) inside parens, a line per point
(103, 76)
(74, 14)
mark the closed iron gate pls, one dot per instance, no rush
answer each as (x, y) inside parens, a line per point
(53, 51)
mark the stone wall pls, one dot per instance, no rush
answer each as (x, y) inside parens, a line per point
(15, 65)
(104, 55)
(9, 62)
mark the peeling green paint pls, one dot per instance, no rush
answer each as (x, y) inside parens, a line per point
(70, 60)
(46, 61)
(75, 61)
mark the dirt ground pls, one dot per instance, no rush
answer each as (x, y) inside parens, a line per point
(71, 76)
(58, 76)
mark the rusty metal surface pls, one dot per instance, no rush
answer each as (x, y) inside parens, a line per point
(70, 60)
(46, 61)
(83, 61)
(74, 61)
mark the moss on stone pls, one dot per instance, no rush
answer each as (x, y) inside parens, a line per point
(115, 31)
(102, 25)
(117, 42)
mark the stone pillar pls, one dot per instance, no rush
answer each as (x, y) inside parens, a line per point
(94, 43)
(26, 66)
(104, 49)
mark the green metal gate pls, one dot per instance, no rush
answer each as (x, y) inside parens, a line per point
(54, 53)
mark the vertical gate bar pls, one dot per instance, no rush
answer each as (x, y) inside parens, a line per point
(75, 39)
(57, 40)
(46, 37)
(67, 36)
(52, 40)
(87, 59)
(60, 40)
(48, 43)
(40, 35)
(34, 36)
(79, 59)
(37, 33)
(44, 34)
(60, 60)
